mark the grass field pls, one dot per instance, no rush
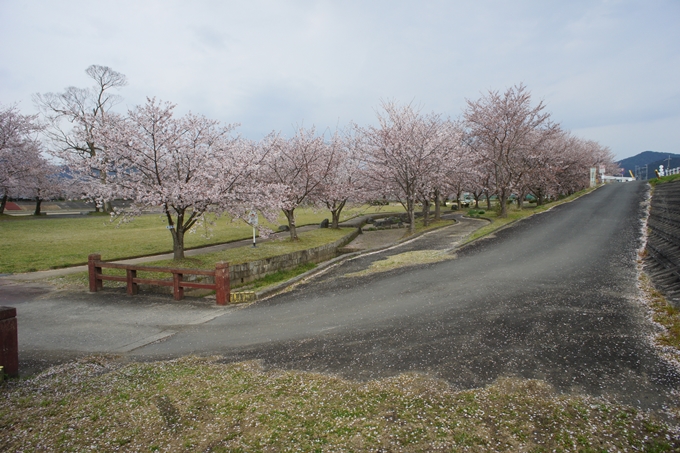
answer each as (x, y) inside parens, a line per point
(198, 404)
(237, 255)
(36, 244)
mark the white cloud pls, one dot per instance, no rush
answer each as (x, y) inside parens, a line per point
(601, 66)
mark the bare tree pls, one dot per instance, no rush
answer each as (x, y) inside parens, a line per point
(74, 115)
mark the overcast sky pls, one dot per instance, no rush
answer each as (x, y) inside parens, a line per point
(607, 70)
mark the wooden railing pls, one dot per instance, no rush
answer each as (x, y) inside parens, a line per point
(220, 274)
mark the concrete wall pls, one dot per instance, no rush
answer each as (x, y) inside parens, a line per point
(663, 242)
(246, 272)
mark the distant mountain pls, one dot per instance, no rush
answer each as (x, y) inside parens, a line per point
(650, 159)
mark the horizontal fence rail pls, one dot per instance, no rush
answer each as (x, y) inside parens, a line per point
(220, 275)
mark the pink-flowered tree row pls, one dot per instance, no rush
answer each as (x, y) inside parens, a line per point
(503, 145)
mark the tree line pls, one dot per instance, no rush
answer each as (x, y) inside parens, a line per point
(502, 145)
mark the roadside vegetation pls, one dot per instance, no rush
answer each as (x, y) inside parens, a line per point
(199, 404)
(29, 245)
(667, 316)
(664, 179)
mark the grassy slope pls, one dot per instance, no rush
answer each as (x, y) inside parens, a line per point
(194, 404)
(664, 179)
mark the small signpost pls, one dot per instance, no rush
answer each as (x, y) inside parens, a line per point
(253, 221)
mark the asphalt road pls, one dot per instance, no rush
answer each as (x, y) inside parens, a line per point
(553, 297)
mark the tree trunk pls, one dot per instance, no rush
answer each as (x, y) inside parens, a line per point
(38, 202)
(488, 201)
(3, 203)
(520, 201)
(290, 216)
(177, 233)
(437, 206)
(410, 209)
(503, 200)
(103, 176)
(177, 243)
(336, 215)
(426, 212)
(540, 198)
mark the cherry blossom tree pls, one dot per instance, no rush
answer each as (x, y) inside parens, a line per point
(500, 129)
(19, 150)
(404, 154)
(343, 182)
(74, 116)
(299, 165)
(577, 158)
(188, 166)
(42, 183)
(450, 168)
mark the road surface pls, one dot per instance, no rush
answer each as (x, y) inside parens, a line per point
(553, 297)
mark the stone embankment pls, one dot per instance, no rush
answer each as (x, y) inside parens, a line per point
(663, 244)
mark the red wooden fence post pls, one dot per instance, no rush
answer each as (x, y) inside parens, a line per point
(222, 289)
(178, 291)
(132, 287)
(9, 344)
(93, 270)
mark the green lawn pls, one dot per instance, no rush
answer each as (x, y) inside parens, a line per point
(36, 244)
